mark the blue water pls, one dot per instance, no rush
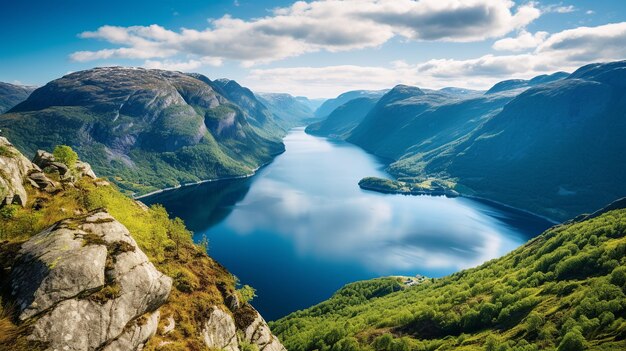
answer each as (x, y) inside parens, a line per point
(302, 228)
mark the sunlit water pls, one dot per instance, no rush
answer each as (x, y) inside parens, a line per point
(302, 228)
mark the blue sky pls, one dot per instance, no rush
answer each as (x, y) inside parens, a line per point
(314, 48)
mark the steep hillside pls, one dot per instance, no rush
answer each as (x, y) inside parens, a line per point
(343, 119)
(331, 104)
(563, 290)
(291, 111)
(148, 129)
(556, 149)
(408, 121)
(11, 95)
(84, 267)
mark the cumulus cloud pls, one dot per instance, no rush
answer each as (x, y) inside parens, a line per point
(563, 51)
(523, 41)
(331, 25)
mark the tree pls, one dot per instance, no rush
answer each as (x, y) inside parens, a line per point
(247, 293)
(65, 155)
(178, 233)
(572, 341)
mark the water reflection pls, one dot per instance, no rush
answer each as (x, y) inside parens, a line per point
(302, 228)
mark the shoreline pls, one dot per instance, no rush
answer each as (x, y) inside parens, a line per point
(243, 176)
(386, 188)
(474, 197)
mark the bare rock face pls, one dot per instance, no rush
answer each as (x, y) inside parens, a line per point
(258, 333)
(13, 169)
(85, 285)
(220, 332)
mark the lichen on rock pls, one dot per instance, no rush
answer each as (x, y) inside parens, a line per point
(60, 269)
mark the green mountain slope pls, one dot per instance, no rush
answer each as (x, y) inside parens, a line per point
(343, 119)
(11, 95)
(563, 290)
(556, 149)
(148, 129)
(408, 121)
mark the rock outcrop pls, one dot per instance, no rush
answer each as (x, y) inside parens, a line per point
(14, 168)
(226, 331)
(46, 161)
(85, 285)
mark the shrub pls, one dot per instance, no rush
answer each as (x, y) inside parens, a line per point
(247, 293)
(65, 155)
(572, 341)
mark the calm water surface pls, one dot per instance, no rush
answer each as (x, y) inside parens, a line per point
(302, 228)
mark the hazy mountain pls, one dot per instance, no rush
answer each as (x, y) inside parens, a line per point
(564, 289)
(331, 104)
(343, 119)
(313, 104)
(148, 128)
(12, 94)
(290, 110)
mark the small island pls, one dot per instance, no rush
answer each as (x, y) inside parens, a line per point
(432, 187)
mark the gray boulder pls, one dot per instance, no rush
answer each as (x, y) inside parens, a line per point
(13, 169)
(219, 331)
(85, 285)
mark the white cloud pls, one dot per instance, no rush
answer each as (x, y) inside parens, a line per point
(563, 51)
(331, 25)
(523, 41)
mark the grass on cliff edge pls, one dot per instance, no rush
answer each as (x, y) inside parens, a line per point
(564, 290)
(199, 281)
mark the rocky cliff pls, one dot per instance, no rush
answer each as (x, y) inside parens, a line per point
(83, 267)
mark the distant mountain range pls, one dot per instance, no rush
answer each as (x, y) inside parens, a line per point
(291, 110)
(12, 94)
(149, 129)
(552, 145)
(331, 104)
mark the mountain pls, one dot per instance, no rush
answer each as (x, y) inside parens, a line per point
(407, 120)
(84, 267)
(148, 129)
(292, 111)
(460, 92)
(313, 104)
(521, 83)
(343, 119)
(331, 104)
(552, 147)
(564, 290)
(12, 94)
(555, 149)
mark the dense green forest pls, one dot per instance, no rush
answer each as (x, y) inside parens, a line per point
(563, 290)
